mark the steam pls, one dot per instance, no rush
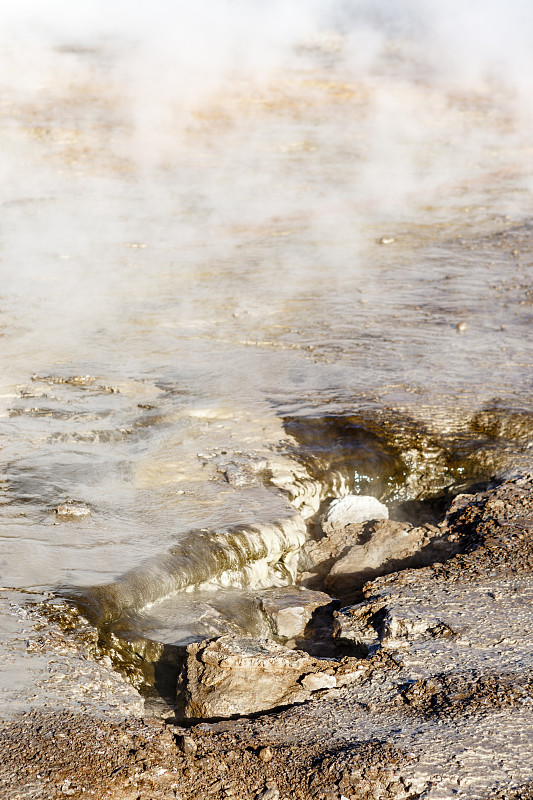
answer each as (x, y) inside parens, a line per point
(164, 53)
(225, 120)
(161, 62)
(193, 196)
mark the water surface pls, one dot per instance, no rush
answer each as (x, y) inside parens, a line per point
(317, 273)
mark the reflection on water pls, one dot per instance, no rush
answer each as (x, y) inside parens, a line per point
(294, 300)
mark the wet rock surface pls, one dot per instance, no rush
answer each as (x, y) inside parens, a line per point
(436, 700)
(44, 665)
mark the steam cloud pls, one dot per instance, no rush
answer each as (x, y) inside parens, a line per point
(182, 181)
(102, 96)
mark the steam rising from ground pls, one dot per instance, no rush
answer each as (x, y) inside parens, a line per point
(165, 58)
(199, 126)
(193, 198)
(182, 49)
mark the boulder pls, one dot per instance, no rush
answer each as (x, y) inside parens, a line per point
(351, 510)
(231, 676)
(317, 557)
(343, 528)
(385, 546)
(290, 608)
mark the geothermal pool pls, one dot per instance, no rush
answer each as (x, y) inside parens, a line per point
(235, 287)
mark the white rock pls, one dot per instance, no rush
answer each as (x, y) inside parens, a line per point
(319, 680)
(353, 509)
(72, 509)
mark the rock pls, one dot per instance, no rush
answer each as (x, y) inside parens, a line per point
(353, 509)
(187, 745)
(355, 624)
(271, 793)
(265, 754)
(319, 680)
(316, 558)
(72, 509)
(348, 557)
(240, 475)
(290, 608)
(231, 676)
(384, 547)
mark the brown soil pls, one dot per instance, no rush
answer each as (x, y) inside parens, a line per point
(57, 755)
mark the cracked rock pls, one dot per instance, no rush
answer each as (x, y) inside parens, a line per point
(231, 676)
(383, 547)
(290, 608)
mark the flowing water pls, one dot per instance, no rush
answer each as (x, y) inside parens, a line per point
(222, 305)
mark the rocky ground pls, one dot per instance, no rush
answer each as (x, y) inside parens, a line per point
(432, 699)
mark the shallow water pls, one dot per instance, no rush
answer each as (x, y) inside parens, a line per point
(222, 317)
